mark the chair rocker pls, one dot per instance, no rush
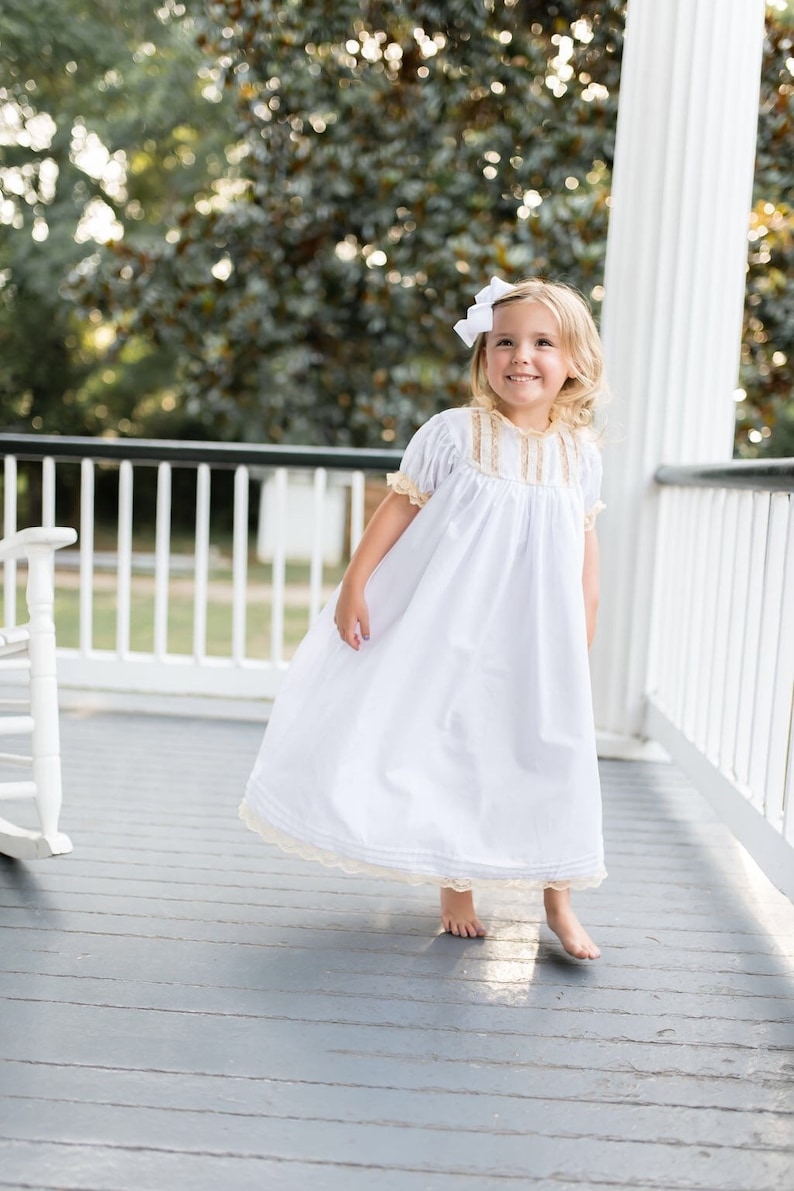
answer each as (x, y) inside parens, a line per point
(29, 650)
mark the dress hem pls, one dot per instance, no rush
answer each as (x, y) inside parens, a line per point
(329, 859)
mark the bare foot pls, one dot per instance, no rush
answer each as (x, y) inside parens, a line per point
(566, 926)
(458, 916)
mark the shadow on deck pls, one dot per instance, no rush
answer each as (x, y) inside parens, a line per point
(184, 1007)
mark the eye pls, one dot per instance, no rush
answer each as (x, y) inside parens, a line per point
(504, 342)
(545, 343)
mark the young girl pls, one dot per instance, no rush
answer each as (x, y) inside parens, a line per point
(436, 723)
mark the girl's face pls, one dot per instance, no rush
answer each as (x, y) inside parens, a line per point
(524, 363)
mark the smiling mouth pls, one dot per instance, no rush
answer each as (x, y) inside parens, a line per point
(521, 378)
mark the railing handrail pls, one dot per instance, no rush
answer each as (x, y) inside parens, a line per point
(767, 475)
(190, 452)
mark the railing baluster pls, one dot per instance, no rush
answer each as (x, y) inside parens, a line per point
(86, 545)
(749, 645)
(9, 527)
(357, 494)
(48, 504)
(716, 593)
(48, 491)
(788, 796)
(201, 562)
(124, 561)
(740, 580)
(695, 619)
(279, 565)
(240, 565)
(162, 559)
(673, 628)
(775, 663)
(318, 541)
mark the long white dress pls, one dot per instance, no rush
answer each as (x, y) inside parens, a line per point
(457, 746)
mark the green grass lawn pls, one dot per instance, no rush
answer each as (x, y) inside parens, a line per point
(180, 624)
(180, 609)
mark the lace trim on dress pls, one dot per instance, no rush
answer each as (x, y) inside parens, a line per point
(524, 459)
(590, 518)
(305, 851)
(494, 430)
(564, 461)
(400, 483)
(476, 438)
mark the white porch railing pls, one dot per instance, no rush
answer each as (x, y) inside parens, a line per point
(722, 654)
(719, 689)
(173, 593)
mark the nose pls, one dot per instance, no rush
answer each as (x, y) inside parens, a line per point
(521, 353)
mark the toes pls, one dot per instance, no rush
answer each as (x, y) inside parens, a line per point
(586, 950)
(463, 930)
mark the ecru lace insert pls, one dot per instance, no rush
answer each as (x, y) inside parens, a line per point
(332, 860)
(400, 483)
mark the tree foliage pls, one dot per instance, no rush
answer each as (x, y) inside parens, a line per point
(391, 157)
(765, 418)
(307, 196)
(103, 131)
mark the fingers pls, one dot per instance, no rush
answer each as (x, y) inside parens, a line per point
(349, 630)
(352, 623)
(363, 621)
(349, 635)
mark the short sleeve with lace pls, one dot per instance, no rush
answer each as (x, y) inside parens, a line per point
(591, 470)
(428, 459)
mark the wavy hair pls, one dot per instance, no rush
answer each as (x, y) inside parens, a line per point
(579, 341)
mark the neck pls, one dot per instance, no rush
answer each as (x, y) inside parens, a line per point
(527, 419)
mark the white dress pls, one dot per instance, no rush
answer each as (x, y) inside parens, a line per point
(457, 746)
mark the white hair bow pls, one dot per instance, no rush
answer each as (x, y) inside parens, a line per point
(479, 317)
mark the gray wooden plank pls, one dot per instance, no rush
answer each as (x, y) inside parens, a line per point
(290, 928)
(46, 1166)
(167, 990)
(103, 1035)
(523, 1082)
(222, 1014)
(388, 1146)
(530, 1110)
(212, 965)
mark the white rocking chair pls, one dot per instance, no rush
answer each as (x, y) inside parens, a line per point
(30, 648)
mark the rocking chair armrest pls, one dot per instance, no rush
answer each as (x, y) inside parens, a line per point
(19, 544)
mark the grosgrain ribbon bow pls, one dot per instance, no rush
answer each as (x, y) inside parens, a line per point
(479, 317)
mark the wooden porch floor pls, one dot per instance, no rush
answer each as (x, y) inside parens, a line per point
(185, 1008)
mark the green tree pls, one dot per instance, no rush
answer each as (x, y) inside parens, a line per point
(765, 417)
(104, 131)
(285, 264)
(390, 158)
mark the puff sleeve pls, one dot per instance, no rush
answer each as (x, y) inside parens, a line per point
(591, 470)
(428, 459)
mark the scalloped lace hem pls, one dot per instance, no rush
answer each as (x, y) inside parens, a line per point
(590, 518)
(400, 483)
(329, 859)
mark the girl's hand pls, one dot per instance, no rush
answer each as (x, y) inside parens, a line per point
(351, 615)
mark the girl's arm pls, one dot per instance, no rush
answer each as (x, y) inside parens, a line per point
(590, 582)
(388, 523)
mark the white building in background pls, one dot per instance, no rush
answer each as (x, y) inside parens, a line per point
(300, 511)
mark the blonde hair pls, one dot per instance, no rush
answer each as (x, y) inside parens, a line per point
(579, 341)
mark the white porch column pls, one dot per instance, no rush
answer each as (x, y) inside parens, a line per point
(674, 294)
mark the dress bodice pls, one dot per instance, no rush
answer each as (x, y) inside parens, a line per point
(486, 441)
